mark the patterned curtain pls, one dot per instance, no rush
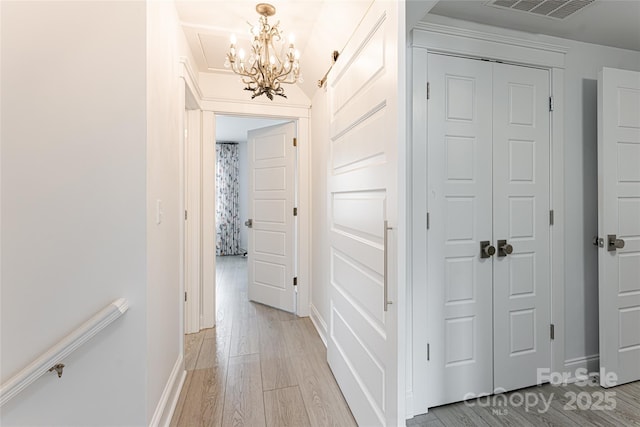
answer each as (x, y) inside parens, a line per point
(227, 198)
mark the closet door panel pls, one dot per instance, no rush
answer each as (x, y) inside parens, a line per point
(459, 201)
(521, 217)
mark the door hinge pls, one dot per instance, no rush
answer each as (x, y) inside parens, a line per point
(551, 217)
(185, 297)
(428, 90)
(295, 281)
(552, 331)
(295, 142)
(185, 215)
(295, 211)
(551, 103)
(428, 352)
(428, 221)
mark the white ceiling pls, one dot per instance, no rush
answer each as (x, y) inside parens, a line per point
(606, 22)
(322, 26)
(234, 129)
(319, 26)
(208, 25)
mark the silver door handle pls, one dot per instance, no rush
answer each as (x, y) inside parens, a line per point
(613, 243)
(504, 248)
(486, 249)
(386, 267)
(249, 223)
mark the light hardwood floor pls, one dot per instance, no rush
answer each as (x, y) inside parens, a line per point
(265, 367)
(561, 410)
(258, 367)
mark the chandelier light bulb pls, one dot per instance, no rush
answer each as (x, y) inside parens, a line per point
(272, 61)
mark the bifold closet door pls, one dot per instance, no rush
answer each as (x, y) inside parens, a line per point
(521, 281)
(488, 316)
(459, 288)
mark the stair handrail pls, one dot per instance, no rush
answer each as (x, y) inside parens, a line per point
(52, 358)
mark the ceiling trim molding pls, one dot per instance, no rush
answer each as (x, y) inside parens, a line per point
(487, 36)
(254, 108)
(190, 77)
(484, 44)
(210, 29)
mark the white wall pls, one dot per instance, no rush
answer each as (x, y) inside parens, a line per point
(73, 202)
(165, 45)
(583, 62)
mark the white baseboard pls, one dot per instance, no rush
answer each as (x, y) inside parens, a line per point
(590, 363)
(319, 323)
(170, 394)
(409, 412)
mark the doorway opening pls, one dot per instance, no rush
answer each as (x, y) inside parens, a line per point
(244, 199)
(198, 184)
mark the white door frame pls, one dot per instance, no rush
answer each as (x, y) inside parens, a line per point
(203, 315)
(452, 40)
(189, 282)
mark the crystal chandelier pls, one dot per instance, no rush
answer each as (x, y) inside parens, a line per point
(271, 63)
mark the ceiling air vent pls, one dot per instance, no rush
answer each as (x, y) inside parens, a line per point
(559, 9)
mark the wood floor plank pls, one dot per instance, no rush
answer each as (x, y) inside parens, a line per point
(244, 336)
(322, 397)
(499, 416)
(285, 408)
(244, 400)
(275, 361)
(192, 344)
(459, 415)
(214, 352)
(301, 337)
(177, 412)
(204, 403)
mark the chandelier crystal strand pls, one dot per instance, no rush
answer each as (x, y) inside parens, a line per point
(271, 62)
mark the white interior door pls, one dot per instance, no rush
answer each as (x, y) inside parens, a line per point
(459, 283)
(521, 282)
(362, 345)
(488, 311)
(271, 251)
(619, 224)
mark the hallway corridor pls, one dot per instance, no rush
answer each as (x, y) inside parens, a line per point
(258, 367)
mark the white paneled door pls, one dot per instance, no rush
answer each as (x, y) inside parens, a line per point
(362, 344)
(271, 252)
(619, 225)
(459, 291)
(488, 287)
(521, 279)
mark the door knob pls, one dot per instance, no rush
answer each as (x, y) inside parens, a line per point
(486, 249)
(504, 248)
(613, 243)
(249, 223)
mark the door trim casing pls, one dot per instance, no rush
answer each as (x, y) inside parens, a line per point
(303, 237)
(448, 38)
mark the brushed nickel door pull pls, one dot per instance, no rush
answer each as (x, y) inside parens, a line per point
(504, 248)
(386, 267)
(614, 243)
(487, 250)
